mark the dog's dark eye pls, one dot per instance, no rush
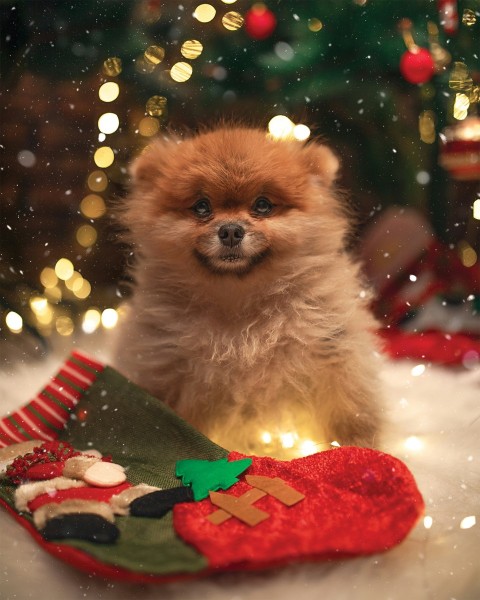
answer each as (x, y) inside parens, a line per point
(202, 208)
(262, 206)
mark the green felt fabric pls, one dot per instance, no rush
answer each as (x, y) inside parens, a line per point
(147, 438)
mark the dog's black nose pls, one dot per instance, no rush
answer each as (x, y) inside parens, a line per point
(231, 235)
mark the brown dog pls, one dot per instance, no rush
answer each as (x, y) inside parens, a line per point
(248, 317)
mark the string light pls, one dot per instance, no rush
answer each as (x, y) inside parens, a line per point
(191, 49)
(476, 209)
(154, 54)
(112, 66)
(468, 522)
(301, 132)
(427, 522)
(64, 269)
(232, 21)
(414, 444)
(74, 281)
(418, 370)
(86, 235)
(109, 91)
(64, 326)
(204, 13)
(108, 123)
(109, 318)
(280, 127)
(315, 25)
(266, 437)
(148, 126)
(14, 322)
(93, 206)
(91, 320)
(97, 181)
(461, 106)
(181, 72)
(104, 157)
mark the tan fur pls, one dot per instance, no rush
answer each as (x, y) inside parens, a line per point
(120, 503)
(28, 491)
(238, 347)
(76, 466)
(68, 507)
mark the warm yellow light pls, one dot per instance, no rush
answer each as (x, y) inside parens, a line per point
(108, 123)
(468, 522)
(104, 157)
(112, 66)
(156, 106)
(229, 1)
(476, 209)
(204, 13)
(93, 206)
(109, 91)
(83, 290)
(315, 25)
(191, 49)
(181, 72)
(109, 318)
(335, 444)
(468, 255)
(232, 20)
(38, 304)
(418, 370)
(97, 181)
(266, 437)
(14, 322)
(91, 320)
(45, 316)
(413, 443)
(287, 440)
(64, 326)
(308, 447)
(54, 294)
(64, 269)
(86, 236)
(154, 54)
(48, 278)
(461, 106)
(73, 281)
(280, 127)
(427, 522)
(301, 132)
(148, 126)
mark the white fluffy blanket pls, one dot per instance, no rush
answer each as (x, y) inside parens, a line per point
(434, 427)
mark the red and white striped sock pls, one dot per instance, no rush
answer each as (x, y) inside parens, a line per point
(45, 416)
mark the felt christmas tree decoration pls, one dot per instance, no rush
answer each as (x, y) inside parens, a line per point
(343, 502)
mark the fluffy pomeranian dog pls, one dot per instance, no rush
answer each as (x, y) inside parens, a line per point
(248, 317)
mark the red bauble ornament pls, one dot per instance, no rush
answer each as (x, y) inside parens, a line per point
(416, 65)
(448, 15)
(260, 22)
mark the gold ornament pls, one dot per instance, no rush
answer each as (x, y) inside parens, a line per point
(112, 66)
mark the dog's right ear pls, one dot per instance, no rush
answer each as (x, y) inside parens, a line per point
(150, 163)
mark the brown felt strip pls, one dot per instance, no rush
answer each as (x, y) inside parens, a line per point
(220, 516)
(240, 507)
(277, 488)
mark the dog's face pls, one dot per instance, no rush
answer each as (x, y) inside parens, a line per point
(231, 200)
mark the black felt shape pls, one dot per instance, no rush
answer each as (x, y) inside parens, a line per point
(156, 504)
(83, 526)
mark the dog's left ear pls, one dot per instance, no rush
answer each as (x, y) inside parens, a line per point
(321, 162)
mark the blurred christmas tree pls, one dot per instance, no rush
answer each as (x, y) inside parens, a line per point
(379, 80)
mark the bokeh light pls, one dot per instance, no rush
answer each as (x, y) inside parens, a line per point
(104, 157)
(181, 72)
(64, 269)
(14, 322)
(97, 181)
(93, 206)
(204, 13)
(108, 123)
(109, 91)
(191, 49)
(86, 235)
(280, 127)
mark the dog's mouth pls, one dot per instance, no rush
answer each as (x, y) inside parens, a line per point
(233, 262)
